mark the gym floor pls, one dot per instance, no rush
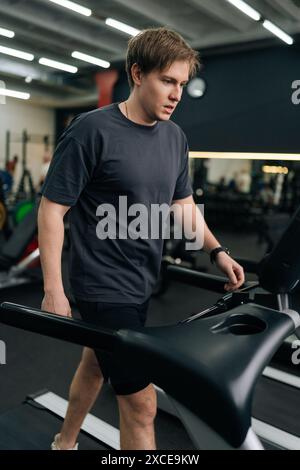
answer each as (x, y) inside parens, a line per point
(36, 362)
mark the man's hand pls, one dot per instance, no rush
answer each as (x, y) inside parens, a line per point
(57, 303)
(232, 269)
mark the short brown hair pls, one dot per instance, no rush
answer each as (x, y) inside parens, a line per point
(157, 49)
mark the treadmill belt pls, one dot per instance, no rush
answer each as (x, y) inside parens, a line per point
(277, 404)
(27, 427)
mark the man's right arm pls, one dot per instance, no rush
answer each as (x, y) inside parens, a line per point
(51, 237)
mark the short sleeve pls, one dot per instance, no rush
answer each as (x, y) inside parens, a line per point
(70, 171)
(183, 184)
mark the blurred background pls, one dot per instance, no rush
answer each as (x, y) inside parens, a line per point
(58, 59)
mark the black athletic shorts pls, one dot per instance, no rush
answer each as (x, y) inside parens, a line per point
(125, 378)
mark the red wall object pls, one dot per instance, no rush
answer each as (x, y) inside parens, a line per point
(105, 82)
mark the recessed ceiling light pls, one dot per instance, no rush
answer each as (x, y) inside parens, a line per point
(245, 8)
(14, 94)
(122, 27)
(90, 59)
(7, 33)
(57, 65)
(73, 6)
(278, 32)
(16, 53)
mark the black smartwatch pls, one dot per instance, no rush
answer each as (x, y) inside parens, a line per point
(217, 250)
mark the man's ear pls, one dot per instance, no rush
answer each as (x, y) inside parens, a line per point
(136, 74)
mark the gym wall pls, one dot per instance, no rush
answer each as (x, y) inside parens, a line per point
(16, 116)
(247, 105)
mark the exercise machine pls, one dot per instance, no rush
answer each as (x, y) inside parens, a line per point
(209, 364)
(19, 264)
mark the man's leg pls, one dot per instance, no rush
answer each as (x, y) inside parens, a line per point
(137, 413)
(85, 387)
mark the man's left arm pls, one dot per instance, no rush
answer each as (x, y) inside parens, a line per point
(194, 225)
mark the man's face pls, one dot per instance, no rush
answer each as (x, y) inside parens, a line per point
(160, 92)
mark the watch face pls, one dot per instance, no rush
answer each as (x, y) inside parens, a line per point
(196, 87)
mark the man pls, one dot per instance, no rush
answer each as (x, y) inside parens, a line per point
(128, 149)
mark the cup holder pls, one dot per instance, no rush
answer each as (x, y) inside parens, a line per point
(240, 325)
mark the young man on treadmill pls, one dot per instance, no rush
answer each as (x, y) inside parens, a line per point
(128, 150)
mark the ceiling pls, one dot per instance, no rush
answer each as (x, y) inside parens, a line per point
(46, 29)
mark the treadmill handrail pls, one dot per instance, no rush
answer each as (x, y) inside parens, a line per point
(197, 278)
(225, 378)
(58, 326)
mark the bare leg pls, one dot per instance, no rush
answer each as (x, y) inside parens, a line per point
(85, 387)
(137, 413)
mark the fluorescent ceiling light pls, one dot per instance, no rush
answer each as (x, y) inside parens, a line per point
(278, 32)
(57, 65)
(7, 33)
(14, 94)
(73, 6)
(90, 59)
(16, 53)
(122, 27)
(245, 8)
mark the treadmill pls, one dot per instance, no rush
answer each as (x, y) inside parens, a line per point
(221, 354)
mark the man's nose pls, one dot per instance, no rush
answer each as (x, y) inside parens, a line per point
(176, 94)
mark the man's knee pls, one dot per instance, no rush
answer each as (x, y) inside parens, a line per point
(90, 364)
(140, 407)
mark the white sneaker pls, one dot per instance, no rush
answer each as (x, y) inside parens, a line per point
(55, 445)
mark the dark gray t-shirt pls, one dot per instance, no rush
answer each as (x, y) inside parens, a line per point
(101, 156)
